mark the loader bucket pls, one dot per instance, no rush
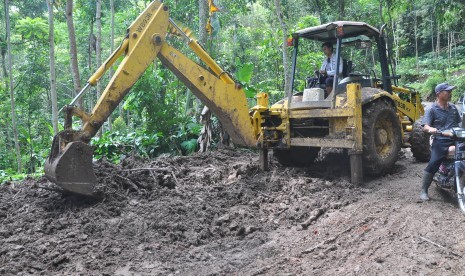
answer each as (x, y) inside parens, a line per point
(69, 165)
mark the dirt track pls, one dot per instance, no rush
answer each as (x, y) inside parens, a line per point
(217, 214)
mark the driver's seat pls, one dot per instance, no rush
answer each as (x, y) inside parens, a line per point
(346, 68)
(312, 82)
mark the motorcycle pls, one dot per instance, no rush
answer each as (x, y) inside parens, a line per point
(451, 174)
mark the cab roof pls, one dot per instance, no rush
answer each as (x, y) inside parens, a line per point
(327, 32)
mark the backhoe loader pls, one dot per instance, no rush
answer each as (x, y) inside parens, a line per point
(363, 113)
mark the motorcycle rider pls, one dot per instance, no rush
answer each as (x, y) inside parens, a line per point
(441, 115)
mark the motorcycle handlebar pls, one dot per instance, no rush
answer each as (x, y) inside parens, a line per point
(444, 133)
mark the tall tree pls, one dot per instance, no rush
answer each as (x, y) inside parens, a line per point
(3, 46)
(203, 17)
(318, 9)
(416, 40)
(6, 6)
(286, 67)
(341, 10)
(112, 48)
(432, 33)
(98, 51)
(73, 49)
(205, 136)
(3, 51)
(53, 86)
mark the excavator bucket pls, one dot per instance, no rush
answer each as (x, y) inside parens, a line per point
(69, 164)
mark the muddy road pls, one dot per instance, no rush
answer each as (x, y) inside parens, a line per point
(217, 214)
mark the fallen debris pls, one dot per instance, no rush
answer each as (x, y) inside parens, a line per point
(315, 215)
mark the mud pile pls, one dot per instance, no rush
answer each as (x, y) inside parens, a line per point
(204, 214)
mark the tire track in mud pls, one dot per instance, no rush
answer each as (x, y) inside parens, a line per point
(387, 232)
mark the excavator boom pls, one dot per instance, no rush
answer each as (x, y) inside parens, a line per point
(69, 164)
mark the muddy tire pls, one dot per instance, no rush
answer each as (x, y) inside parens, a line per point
(381, 137)
(296, 156)
(419, 142)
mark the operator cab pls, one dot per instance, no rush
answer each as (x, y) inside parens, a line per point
(353, 43)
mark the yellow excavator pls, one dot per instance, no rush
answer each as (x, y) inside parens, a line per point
(365, 114)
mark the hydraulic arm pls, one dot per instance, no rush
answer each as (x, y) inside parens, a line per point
(69, 164)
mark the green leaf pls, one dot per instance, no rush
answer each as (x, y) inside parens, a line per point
(190, 145)
(32, 28)
(250, 92)
(244, 74)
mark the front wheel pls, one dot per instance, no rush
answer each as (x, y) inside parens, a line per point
(381, 137)
(460, 190)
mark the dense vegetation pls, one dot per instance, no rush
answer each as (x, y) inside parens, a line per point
(161, 115)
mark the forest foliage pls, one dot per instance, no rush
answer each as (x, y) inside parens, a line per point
(160, 116)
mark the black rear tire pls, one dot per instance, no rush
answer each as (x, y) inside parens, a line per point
(296, 156)
(382, 137)
(419, 142)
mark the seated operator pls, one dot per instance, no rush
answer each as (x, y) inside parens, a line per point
(327, 70)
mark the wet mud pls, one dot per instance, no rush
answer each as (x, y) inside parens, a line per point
(216, 213)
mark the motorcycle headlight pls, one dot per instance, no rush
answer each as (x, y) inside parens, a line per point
(459, 132)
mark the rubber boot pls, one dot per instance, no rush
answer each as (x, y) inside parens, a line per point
(427, 179)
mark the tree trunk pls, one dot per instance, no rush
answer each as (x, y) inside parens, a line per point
(203, 16)
(449, 47)
(438, 43)
(390, 43)
(205, 137)
(112, 48)
(31, 167)
(98, 51)
(396, 43)
(393, 41)
(204, 12)
(3, 54)
(318, 10)
(73, 50)
(92, 47)
(11, 86)
(286, 71)
(341, 9)
(53, 86)
(381, 12)
(432, 35)
(416, 43)
(3, 51)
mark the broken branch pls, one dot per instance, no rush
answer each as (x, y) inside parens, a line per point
(316, 214)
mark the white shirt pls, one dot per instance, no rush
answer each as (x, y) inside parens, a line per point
(330, 67)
